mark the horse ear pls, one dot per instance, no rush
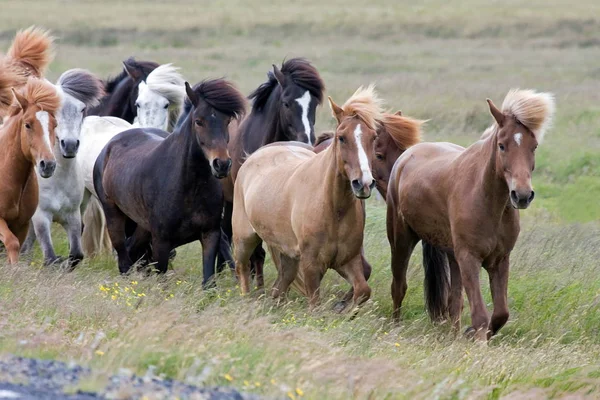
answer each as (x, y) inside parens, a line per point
(191, 94)
(21, 100)
(399, 113)
(337, 110)
(279, 75)
(131, 69)
(497, 114)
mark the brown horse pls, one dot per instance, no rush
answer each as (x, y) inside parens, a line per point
(29, 55)
(26, 139)
(464, 203)
(279, 185)
(395, 134)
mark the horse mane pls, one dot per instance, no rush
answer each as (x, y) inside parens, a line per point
(8, 79)
(405, 131)
(324, 136)
(366, 105)
(300, 71)
(82, 85)
(31, 50)
(168, 82)
(532, 109)
(221, 95)
(42, 94)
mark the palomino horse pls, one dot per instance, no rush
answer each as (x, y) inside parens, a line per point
(279, 185)
(26, 140)
(395, 134)
(176, 205)
(283, 110)
(29, 55)
(62, 194)
(464, 203)
(158, 105)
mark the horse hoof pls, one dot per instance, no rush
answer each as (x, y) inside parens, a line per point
(470, 333)
(172, 255)
(50, 262)
(340, 306)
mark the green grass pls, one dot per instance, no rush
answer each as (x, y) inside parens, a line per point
(433, 60)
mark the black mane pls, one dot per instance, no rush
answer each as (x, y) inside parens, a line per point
(300, 71)
(221, 95)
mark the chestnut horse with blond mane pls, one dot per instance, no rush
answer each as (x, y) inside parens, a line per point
(464, 204)
(279, 185)
(27, 140)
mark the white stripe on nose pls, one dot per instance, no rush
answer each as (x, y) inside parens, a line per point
(304, 102)
(367, 177)
(44, 119)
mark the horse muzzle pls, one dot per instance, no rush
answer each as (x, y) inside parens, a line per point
(46, 168)
(220, 168)
(69, 148)
(521, 199)
(362, 190)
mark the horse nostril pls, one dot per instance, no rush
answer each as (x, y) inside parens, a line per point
(531, 196)
(356, 185)
(77, 144)
(216, 164)
(42, 164)
(513, 196)
(62, 143)
(229, 163)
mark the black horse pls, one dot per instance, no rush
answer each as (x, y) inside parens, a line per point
(168, 187)
(283, 109)
(122, 91)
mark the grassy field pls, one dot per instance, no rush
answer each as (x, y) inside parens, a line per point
(436, 60)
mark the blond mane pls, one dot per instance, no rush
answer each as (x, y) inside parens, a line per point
(366, 105)
(532, 109)
(405, 131)
(41, 94)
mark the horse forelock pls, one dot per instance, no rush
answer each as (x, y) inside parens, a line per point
(305, 75)
(82, 85)
(366, 105)
(42, 94)
(166, 81)
(534, 110)
(221, 95)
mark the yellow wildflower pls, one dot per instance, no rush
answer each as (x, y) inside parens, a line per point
(397, 344)
(291, 395)
(257, 384)
(300, 392)
(272, 381)
(228, 377)
(134, 282)
(99, 353)
(246, 383)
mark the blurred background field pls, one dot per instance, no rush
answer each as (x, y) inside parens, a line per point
(434, 60)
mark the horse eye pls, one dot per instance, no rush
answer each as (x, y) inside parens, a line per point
(286, 104)
(342, 140)
(501, 146)
(137, 105)
(27, 126)
(199, 123)
(166, 106)
(379, 156)
(84, 109)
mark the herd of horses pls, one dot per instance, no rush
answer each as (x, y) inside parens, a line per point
(144, 162)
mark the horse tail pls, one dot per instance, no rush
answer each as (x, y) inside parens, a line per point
(32, 51)
(437, 281)
(94, 239)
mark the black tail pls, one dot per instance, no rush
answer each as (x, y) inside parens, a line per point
(437, 281)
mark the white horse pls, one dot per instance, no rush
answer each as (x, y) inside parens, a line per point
(60, 196)
(159, 102)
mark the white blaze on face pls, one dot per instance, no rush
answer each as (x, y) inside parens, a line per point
(44, 119)
(367, 177)
(518, 138)
(304, 102)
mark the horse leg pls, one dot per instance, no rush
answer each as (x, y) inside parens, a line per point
(402, 245)
(455, 300)
(224, 256)
(115, 222)
(160, 254)
(210, 246)
(27, 245)
(469, 272)
(354, 273)
(138, 245)
(11, 242)
(367, 269)
(243, 249)
(312, 280)
(287, 271)
(257, 262)
(499, 286)
(42, 222)
(73, 227)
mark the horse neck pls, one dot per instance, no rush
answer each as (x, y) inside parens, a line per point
(194, 164)
(270, 121)
(492, 183)
(335, 183)
(19, 167)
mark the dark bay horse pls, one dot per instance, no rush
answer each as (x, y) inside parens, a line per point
(283, 110)
(26, 138)
(464, 203)
(170, 206)
(280, 185)
(122, 90)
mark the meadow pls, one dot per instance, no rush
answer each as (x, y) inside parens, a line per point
(434, 60)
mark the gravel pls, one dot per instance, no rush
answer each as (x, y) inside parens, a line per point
(28, 378)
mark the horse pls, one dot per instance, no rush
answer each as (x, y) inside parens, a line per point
(170, 206)
(122, 91)
(283, 109)
(26, 140)
(464, 203)
(395, 134)
(29, 55)
(280, 184)
(158, 105)
(61, 195)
